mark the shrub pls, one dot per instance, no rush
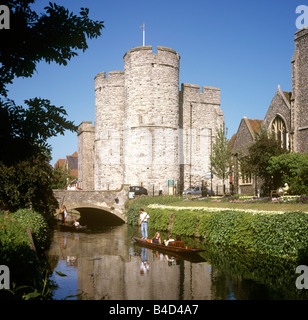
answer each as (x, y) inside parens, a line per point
(292, 168)
(159, 219)
(15, 250)
(185, 222)
(15, 243)
(283, 235)
(27, 218)
(25, 183)
(276, 234)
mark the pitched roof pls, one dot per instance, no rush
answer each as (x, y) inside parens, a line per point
(72, 162)
(60, 163)
(231, 141)
(254, 125)
(288, 95)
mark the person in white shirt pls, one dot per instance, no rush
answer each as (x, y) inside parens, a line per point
(169, 240)
(76, 223)
(144, 223)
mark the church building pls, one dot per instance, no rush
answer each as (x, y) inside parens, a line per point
(286, 117)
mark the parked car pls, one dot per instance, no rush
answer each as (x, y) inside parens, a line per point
(138, 190)
(198, 191)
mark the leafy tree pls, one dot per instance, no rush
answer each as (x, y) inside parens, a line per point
(291, 168)
(26, 184)
(24, 131)
(59, 178)
(259, 154)
(52, 36)
(221, 155)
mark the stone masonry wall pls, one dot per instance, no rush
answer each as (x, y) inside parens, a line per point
(200, 117)
(147, 131)
(109, 115)
(151, 117)
(281, 107)
(86, 155)
(300, 90)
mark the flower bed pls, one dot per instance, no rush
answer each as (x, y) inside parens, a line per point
(252, 199)
(208, 209)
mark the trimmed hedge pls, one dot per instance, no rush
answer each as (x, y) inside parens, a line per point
(281, 235)
(185, 222)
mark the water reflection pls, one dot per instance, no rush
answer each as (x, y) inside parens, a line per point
(108, 265)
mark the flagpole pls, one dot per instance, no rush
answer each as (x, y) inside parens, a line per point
(143, 31)
(143, 34)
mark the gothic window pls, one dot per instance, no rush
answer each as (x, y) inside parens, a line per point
(245, 177)
(279, 131)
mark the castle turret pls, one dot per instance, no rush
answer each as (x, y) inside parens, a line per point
(86, 155)
(151, 117)
(109, 114)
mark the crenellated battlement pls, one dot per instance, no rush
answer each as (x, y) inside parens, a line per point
(111, 79)
(149, 49)
(208, 95)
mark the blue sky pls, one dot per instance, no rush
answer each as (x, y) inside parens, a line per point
(244, 47)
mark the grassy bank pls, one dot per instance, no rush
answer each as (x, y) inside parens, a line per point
(276, 234)
(16, 250)
(266, 206)
(263, 228)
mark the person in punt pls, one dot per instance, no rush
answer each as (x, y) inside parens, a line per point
(170, 239)
(157, 238)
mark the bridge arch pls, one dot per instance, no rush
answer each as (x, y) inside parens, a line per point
(97, 214)
(108, 202)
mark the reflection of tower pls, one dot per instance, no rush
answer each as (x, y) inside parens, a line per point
(151, 117)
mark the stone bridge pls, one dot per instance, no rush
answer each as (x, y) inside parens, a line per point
(110, 203)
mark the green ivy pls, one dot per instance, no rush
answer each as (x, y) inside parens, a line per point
(185, 222)
(278, 235)
(15, 250)
(159, 219)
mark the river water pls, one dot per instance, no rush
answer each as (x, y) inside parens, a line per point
(104, 263)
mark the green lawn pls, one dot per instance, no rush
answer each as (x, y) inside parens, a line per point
(254, 206)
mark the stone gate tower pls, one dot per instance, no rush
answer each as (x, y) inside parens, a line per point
(147, 131)
(151, 118)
